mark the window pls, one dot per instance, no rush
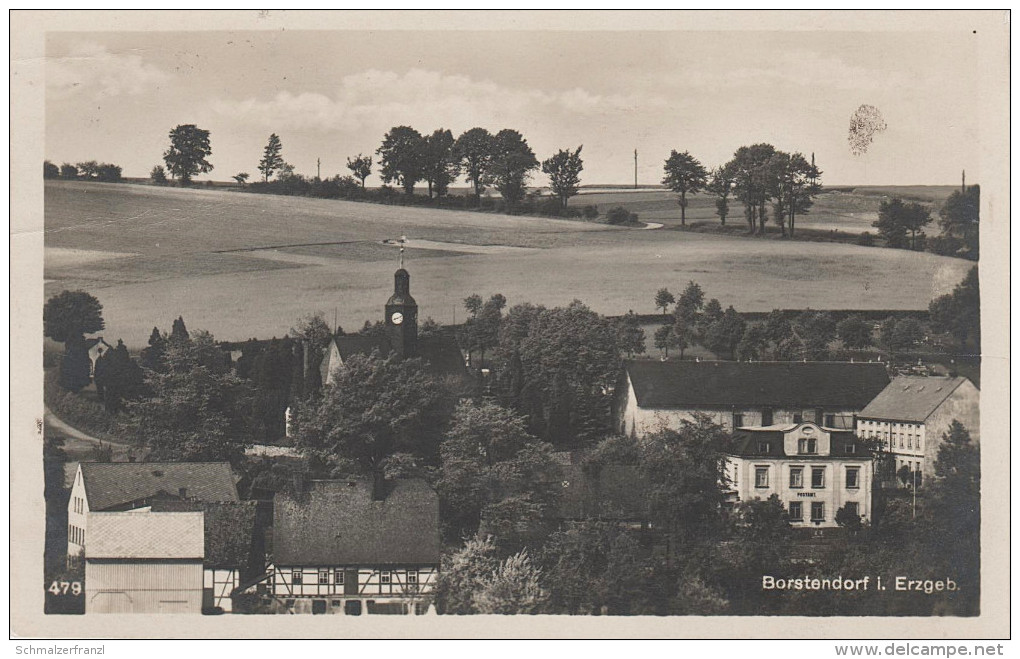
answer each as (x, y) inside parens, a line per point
(738, 420)
(761, 476)
(852, 508)
(412, 577)
(850, 448)
(764, 448)
(338, 576)
(853, 478)
(910, 441)
(818, 477)
(296, 576)
(796, 511)
(796, 477)
(817, 511)
(797, 418)
(807, 446)
(766, 416)
(323, 577)
(384, 577)
(830, 420)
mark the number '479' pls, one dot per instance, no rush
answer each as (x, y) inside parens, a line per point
(65, 587)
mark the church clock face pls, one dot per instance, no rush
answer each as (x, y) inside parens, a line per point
(397, 317)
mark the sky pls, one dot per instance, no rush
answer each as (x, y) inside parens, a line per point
(330, 95)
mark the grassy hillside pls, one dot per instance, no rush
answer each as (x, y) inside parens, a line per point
(245, 265)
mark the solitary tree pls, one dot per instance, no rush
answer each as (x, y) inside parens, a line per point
(474, 149)
(272, 160)
(402, 156)
(564, 170)
(189, 148)
(361, 167)
(241, 178)
(512, 163)
(959, 216)
(684, 174)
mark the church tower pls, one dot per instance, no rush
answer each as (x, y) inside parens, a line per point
(402, 317)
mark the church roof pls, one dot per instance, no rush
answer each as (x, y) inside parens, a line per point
(438, 350)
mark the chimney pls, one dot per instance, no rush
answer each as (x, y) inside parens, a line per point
(183, 492)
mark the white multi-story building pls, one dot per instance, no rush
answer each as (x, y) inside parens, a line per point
(911, 415)
(813, 470)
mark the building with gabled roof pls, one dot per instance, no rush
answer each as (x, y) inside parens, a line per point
(912, 413)
(119, 486)
(356, 545)
(144, 562)
(813, 470)
(654, 395)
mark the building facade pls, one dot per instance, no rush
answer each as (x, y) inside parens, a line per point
(911, 415)
(657, 395)
(121, 486)
(813, 470)
(356, 546)
(144, 562)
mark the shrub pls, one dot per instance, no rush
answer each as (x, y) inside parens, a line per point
(621, 215)
(590, 212)
(944, 245)
(866, 239)
(158, 175)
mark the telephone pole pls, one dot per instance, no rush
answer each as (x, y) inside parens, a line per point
(963, 182)
(635, 169)
(318, 169)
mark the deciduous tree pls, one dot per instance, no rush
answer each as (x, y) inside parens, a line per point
(441, 165)
(189, 148)
(564, 170)
(402, 156)
(684, 175)
(663, 298)
(361, 167)
(511, 166)
(475, 149)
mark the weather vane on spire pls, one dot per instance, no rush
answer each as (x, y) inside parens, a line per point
(403, 239)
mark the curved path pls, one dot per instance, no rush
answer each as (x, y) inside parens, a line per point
(53, 421)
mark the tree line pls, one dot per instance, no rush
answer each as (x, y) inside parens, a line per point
(89, 170)
(901, 224)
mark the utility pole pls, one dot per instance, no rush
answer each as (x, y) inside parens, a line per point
(635, 169)
(963, 182)
(318, 169)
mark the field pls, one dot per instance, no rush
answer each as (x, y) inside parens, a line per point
(845, 209)
(246, 266)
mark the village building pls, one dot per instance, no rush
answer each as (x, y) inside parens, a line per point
(657, 395)
(144, 562)
(122, 486)
(609, 493)
(814, 470)
(356, 546)
(911, 415)
(234, 547)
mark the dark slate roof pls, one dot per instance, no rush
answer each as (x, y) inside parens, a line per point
(768, 442)
(112, 484)
(338, 523)
(614, 492)
(439, 350)
(229, 532)
(686, 384)
(910, 398)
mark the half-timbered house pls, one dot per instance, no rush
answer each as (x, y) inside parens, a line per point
(355, 546)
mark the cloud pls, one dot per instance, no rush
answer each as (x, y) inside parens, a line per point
(373, 98)
(91, 69)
